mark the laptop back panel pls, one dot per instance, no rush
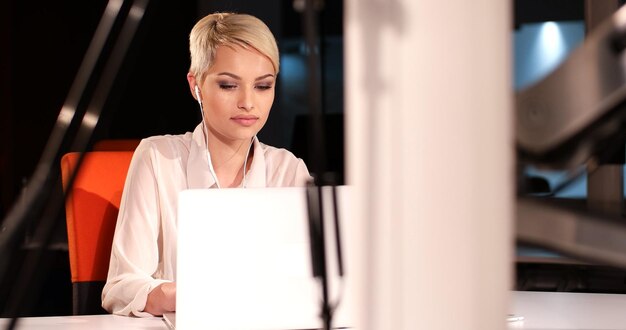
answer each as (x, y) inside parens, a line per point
(244, 260)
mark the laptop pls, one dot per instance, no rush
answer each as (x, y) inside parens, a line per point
(244, 261)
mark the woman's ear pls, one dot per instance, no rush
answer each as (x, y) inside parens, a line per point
(191, 79)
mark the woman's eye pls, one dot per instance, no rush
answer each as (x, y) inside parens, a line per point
(228, 86)
(264, 87)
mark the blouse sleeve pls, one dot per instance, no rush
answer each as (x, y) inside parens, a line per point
(135, 250)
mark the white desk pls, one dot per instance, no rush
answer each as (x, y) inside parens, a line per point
(97, 322)
(568, 311)
(541, 311)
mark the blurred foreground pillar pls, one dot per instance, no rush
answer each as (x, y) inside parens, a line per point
(430, 142)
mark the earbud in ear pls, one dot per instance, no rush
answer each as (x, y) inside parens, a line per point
(198, 93)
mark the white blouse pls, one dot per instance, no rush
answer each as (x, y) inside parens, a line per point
(144, 246)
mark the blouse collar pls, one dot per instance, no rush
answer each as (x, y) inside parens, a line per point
(198, 174)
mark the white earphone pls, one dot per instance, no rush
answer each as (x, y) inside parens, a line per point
(198, 95)
(245, 162)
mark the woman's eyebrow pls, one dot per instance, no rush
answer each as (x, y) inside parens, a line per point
(264, 76)
(234, 76)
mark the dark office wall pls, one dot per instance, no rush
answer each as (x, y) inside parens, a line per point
(43, 44)
(155, 97)
(6, 170)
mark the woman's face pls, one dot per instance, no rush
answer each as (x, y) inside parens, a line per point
(237, 93)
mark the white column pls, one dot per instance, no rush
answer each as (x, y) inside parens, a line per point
(429, 121)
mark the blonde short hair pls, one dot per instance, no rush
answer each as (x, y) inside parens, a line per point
(228, 29)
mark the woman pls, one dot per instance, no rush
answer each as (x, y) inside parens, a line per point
(234, 64)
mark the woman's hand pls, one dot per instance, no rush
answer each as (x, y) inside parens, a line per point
(161, 299)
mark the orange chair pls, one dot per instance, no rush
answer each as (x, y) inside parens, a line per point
(116, 145)
(91, 208)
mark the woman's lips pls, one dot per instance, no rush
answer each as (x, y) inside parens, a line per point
(245, 120)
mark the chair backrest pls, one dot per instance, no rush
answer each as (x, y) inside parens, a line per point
(116, 145)
(92, 206)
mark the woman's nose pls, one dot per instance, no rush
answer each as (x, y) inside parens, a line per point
(246, 100)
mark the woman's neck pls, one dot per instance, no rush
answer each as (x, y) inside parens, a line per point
(228, 160)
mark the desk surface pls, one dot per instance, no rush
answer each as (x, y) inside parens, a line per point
(540, 310)
(569, 311)
(99, 322)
